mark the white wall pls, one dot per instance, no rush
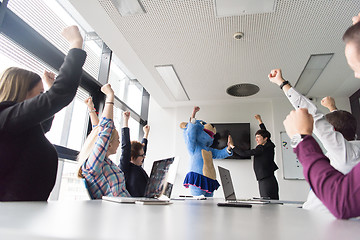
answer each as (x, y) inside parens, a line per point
(166, 140)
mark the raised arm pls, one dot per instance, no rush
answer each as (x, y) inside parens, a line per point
(92, 112)
(258, 117)
(339, 193)
(195, 110)
(261, 124)
(146, 130)
(33, 111)
(96, 159)
(332, 140)
(329, 103)
(109, 102)
(125, 157)
(191, 131)
(275, 76)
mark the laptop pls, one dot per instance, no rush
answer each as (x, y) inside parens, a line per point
(158, 189)
(230, 196)
(229, 191)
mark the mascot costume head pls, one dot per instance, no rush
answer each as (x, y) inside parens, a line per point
(199, 136)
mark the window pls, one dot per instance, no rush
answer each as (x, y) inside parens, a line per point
(69, 128)
(127, 90)
(134, 131)
(13, 55)
(51, 21)
(69, 125)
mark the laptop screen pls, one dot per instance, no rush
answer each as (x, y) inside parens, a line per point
(158, 184)
(227, 184)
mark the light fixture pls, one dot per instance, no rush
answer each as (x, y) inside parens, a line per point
(312, 71)
(172, 81)
(128, 7)
(228, 8)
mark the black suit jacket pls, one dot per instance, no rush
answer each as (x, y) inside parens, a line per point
(28, 161)
(264, 165)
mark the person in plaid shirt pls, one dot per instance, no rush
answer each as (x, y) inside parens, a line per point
(103, 177)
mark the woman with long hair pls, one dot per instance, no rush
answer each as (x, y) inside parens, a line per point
(28, 161)
(103, 177)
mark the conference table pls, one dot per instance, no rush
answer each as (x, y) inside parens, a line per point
(183, 219)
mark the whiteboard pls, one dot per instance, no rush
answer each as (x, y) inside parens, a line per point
(292, 168)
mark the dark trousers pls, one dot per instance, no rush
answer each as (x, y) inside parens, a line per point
(269, 188)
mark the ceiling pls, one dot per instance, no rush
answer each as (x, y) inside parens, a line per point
(206, 57)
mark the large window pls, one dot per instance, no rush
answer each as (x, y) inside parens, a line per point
(71, 124)
(48, 18)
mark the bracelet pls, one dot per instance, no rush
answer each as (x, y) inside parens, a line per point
(110, 103)
(283, 84)
(91, 111)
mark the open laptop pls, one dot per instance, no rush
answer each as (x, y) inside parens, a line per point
(229, 191)
(158, 189)
(230, 196)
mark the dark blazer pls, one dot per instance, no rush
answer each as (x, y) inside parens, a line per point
(136, 178)
(264, 165)
(28, 161)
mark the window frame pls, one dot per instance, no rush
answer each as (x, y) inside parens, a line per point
(21, 33)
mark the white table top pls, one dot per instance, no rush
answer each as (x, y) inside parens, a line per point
(190, 219)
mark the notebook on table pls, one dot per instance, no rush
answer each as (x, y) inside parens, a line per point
(158, 189)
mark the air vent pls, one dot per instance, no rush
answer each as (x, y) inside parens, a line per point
(242, 90)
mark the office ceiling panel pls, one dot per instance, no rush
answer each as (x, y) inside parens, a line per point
(206, 57)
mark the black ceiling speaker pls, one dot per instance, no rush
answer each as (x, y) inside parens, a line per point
(242, 90)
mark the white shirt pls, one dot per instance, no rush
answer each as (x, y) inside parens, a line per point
(343, 154)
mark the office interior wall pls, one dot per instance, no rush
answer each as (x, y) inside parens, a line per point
(166, 139)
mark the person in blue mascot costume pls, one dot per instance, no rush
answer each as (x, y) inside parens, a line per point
(199, 136)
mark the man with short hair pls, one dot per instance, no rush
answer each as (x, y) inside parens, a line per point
(335, 130)
(340, 193)
(264, 165)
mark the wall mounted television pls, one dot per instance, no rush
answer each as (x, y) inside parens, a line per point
(240, 132)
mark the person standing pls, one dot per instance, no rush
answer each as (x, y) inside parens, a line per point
(264, 165)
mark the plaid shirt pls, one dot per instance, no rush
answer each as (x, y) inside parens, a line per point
(103, 176)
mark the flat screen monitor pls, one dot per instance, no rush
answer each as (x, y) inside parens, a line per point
(240, 132)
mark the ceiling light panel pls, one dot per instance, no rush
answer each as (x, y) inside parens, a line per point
(128, 7)
(312, 71)
(228, 8)
(172, 81)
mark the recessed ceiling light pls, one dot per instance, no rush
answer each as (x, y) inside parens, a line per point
(242, 90)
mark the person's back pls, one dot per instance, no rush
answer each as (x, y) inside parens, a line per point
(136, 180)
(22, 172)
(336, 131)
(28, 161)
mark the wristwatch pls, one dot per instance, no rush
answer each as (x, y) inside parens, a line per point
(283, 84)
(296, 139)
